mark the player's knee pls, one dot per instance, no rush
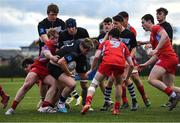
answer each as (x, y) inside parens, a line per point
(72, 85)
(84, 84)
(92, 89)
(150, 80)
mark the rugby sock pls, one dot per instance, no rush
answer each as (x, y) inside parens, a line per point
(116, 105)
(84, 94)
(75, 94)
(131, 91)
(46, 103)
(88, 100)
(124, 98)
(168, 91)
(142, 92)
(62, 99)
(107, 94)
(2, 92)
(14, 105)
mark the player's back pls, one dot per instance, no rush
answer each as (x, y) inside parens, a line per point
(114, 52)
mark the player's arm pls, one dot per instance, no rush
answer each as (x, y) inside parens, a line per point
(106, 37)
(96, 57)
(49, 55)
(44, 37)
(142, 42)
(130, 62)
(133, 45)
(63, 64)
(130, 68)
(42, 33)
(150, 61)
(163, 39)
(133, 52)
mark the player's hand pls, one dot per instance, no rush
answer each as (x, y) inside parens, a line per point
(139, 43)
(141, 67)
(88, 72)
(54, 59)
(124, 82)
(153, 52)
(147, 46)
(69, 74)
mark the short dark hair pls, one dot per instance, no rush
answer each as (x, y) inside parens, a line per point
(26, 62)
(115, 33)
(148, 17)
(71, 22)
(107, 20)
(124, 14)
(118, 18)
(164, 10)
(52, 8)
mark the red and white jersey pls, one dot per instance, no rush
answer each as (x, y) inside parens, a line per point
(114, 52)
(42, 60)
(166, 49)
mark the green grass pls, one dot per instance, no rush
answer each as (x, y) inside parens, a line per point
(26, 110)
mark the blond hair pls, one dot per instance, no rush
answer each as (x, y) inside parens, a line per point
(52, 33)
(87, 43)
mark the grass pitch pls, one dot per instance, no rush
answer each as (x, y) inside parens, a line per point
(27, 112)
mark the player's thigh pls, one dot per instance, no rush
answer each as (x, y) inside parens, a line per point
(99, 76)
(49, 80)
(31, 79)
(168, 79)
(67, 80)
(156, 72)
(118, 79)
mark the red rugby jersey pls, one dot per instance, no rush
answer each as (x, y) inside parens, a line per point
(114, 52)
(166, 49)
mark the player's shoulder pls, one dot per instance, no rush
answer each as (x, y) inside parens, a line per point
(60, 20)
(45, 20)
(81, 29)
(156, 28)
(128, 32)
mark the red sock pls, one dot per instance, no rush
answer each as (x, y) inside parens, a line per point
(46, 103)
(1, 92)
(88, 100)
(117, 105)
(142, 92)
(124, 98)
(14, 105)
(168, 91)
